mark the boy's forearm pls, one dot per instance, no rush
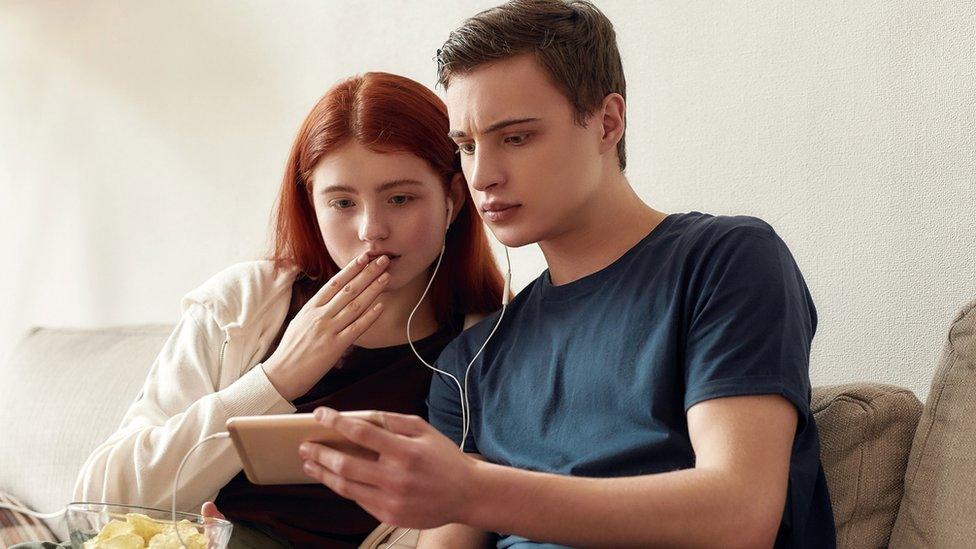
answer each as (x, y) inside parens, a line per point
(692, 507)
(452, 536)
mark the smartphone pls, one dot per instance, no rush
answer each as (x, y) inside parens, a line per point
(268, 445)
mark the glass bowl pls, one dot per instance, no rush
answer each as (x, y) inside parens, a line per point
(86, 521)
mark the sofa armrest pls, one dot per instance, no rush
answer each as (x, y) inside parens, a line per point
(866, 432)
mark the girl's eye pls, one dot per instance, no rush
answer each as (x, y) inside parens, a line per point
(466, 148)
(341, 203)
(400, 199)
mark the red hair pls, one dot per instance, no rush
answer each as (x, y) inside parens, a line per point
(385, 113)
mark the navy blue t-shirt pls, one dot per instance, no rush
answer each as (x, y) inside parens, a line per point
(594, 378)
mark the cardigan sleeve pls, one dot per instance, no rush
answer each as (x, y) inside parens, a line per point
(180, 404)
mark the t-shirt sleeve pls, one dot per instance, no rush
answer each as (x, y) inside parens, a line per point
(444, 399)
(751, 322)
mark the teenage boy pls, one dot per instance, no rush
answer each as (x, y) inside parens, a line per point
(651, 388)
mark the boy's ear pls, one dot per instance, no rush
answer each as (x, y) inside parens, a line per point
(456, 194)
(613, 121)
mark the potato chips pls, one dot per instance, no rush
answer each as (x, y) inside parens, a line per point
(138, 531)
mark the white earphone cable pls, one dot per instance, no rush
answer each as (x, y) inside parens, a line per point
(179, 470)
(466, 406)
(35, 514)
(462, 390)
(410, 340)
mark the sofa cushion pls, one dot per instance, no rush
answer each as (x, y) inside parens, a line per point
(17, 528)
(866, 432)
(939, 507)
(64, 392)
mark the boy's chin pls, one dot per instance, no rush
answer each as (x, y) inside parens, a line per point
(511, 237)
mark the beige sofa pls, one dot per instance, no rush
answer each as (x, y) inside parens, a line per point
(900, 475)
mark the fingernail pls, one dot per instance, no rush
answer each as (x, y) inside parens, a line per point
(384, 278)
(303, 450)
(323, 413)
(363, 259)
(382, 261)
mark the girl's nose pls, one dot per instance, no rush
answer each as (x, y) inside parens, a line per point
(373, 227)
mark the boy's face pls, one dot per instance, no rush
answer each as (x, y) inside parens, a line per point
(531, 170)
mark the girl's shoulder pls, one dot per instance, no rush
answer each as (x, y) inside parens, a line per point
(472, 319)
(243, 291)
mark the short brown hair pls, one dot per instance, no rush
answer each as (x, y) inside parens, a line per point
(572, 39)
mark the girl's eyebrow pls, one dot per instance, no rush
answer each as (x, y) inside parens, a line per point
(397, 183)
(382, 188)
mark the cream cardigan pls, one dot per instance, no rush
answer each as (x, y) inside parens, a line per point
(206, 373)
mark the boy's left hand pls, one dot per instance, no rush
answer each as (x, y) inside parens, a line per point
(420, 479)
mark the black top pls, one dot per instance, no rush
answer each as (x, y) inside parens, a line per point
(390, 379)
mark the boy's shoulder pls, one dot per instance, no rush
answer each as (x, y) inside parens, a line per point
(696, 238)
(697, 226)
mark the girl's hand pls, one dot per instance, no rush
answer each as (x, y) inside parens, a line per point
(209, 510)
(327, 325)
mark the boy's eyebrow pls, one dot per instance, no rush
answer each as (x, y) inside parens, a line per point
(384, 187)
(454, 134)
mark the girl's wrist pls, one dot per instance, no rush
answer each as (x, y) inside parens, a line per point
(272, 370)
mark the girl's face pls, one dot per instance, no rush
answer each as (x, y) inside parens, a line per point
(391, 204)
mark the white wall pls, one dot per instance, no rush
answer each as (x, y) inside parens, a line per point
(141, 145)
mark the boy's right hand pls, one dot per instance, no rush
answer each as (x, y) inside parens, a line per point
(327, 325)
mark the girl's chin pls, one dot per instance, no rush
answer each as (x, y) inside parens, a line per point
(394, 285)
(403, 282)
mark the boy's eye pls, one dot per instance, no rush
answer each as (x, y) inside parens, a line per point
(466, 148)
(517, 139)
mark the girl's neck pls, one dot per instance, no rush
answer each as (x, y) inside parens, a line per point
(391, 327)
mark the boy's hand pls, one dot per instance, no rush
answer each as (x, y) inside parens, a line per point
(420, 479)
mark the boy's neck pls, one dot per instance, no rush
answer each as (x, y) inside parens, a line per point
(600, 234)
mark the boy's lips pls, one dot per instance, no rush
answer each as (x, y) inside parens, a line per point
(497, 212)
